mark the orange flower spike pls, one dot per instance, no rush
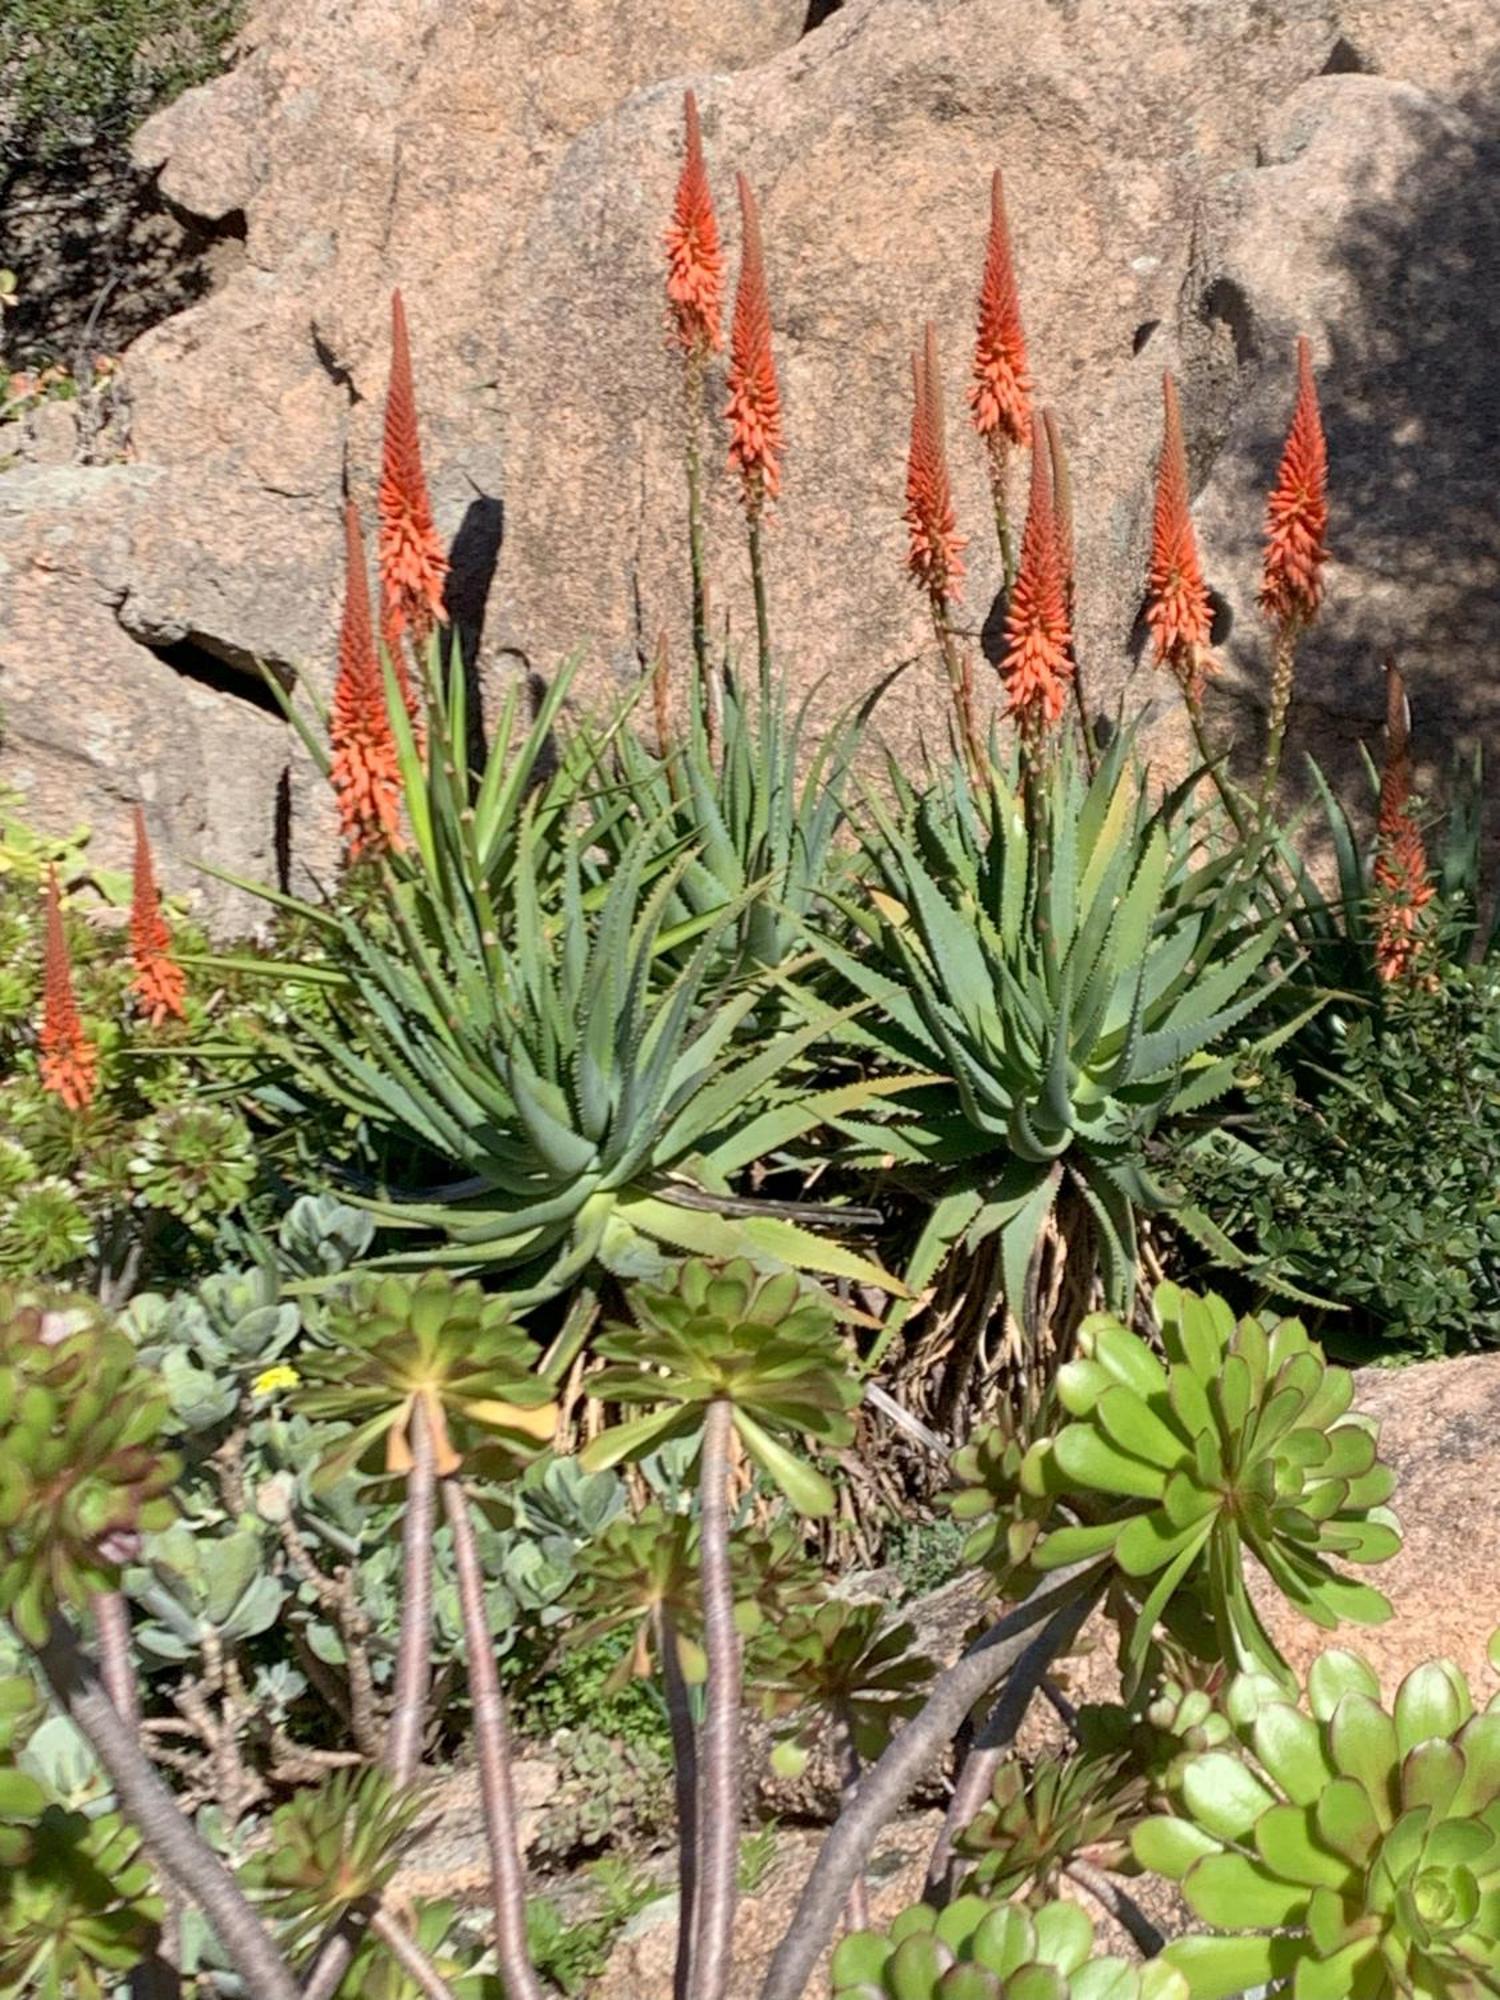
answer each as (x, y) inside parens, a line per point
(754, 408)
(1037, 667)
(363, 766)
(1297, 511)
(695, 261)
(1403, 887)
(160, 984)
(69, 1062)
(935, 558)
(1001, 392)
(412, 563)
(1178, 610)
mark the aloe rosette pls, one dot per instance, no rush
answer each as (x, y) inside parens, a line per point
(1242, 1439)
(1354, 1852)
(978, 1949)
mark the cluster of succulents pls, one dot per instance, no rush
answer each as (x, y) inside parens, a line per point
(1348, 1848)
(84, 1474)
(1241, 1440)
(981, 1948)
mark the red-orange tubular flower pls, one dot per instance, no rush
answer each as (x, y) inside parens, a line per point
(754, 407)
(1297, 511)
(69, 1064)
(935, 558)
(695, 262)
(1403, 887)
(1178, 611)
(159, 983)
(363, 764)
(1001, 390)
(1037, 668)
(412, 563)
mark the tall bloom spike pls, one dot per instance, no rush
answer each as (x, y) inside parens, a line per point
(935, 558)
(69, 1062)
(1178, 610)
(695, 261)
(1001, 390)
(1403, 887)
(363, 767)
(754, 407)
(412, 563)
(159, 984)
(1037, 668)
(1062, 505)
(1297, 511)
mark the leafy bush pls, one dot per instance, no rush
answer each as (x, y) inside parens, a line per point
(75, 72)
(1371, 1178)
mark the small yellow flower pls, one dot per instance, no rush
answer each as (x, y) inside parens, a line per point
(269, 1380)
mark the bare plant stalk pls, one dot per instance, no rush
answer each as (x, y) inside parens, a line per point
(961, 686)
(156, 1977)
(857, 1908)
(1282, 671)
(410, 1956)
(492, 1753)
(403, 1747)
(167, 1835)
(999, 456)
(719, 1760)
(884, 1787)
(988, 1749)
(693, 454)
(762, 615)
(1126, 1912)
(685, 1782)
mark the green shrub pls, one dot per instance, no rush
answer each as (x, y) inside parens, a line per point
(78, 72)
(1371, 1178)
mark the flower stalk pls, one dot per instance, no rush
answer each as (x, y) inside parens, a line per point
(1295, 553)
(695, 293)
(1000, 394)
(159, 982)
(754, 407)
(69, 1062)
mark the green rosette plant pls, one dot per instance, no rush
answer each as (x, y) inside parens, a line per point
(398, 1343)
(83, 1476)
(981, 1949)
(848, 1661)
(766, 1345)
(1037, 1818)
(1241, 1440)
(331, 1846)
(76, 1912)
(1351, 1852)
(194, 1161)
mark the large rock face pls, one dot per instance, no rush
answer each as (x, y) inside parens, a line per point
(1189, 187)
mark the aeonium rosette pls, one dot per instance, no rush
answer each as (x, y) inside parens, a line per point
(1355, 1852)
(1242, 1439)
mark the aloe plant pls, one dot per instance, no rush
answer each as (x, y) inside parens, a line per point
(1066, 960)
(1350, 1850)
(551, 1055)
